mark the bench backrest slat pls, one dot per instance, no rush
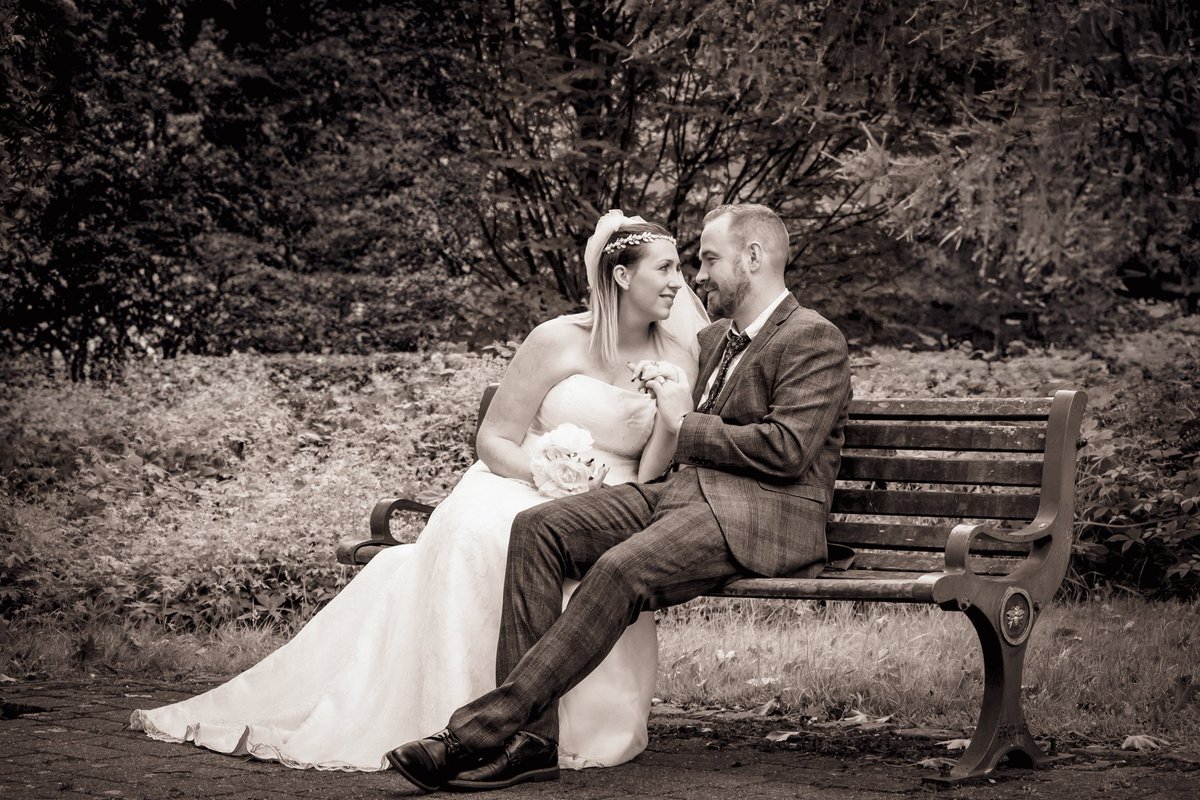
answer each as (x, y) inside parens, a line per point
(863, 591)
(941, 470)
(893, 561)
(953, 408)
(1015, 437)
(959, 505)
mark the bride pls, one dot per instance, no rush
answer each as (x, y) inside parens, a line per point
(414, 635)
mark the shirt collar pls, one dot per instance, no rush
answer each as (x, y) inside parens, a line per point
(761, 320)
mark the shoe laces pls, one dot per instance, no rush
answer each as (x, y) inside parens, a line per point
(454, 748)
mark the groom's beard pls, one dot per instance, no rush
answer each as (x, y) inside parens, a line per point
(723, 299)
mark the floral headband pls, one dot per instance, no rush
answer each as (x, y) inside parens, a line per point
(633, 239)
(606, 226)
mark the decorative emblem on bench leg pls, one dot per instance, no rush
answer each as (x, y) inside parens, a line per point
(1016, 616)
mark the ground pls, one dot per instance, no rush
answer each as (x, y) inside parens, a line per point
(69, 739)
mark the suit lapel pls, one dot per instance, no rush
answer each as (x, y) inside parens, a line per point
(780, 316)
(710, 357)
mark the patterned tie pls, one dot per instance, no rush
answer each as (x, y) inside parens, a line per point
(734, 344)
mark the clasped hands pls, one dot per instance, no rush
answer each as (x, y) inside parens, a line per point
(669, 385)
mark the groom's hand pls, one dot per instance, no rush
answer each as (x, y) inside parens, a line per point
(674, 401)
(669, 385)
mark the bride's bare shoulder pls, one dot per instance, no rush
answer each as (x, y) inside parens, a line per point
(561, 334)
(558, 345)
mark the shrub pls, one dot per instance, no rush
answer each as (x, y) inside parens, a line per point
(1139, 488)
(202, 491)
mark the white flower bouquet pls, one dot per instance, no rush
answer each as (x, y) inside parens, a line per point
(561, 465)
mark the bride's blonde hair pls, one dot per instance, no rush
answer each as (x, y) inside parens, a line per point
(605, 295)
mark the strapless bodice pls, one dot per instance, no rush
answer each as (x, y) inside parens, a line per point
(619, 420)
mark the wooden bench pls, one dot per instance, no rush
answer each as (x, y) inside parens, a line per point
(966, 504)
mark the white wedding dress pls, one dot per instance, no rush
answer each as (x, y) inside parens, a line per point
(413, 636)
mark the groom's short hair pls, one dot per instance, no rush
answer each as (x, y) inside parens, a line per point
(752, 222)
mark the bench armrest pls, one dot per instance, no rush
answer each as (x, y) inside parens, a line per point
(958, 546)
(381, 530)
(1050, 533)
(1039, 574)
(381, 516)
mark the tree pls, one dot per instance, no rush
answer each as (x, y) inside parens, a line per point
(665, 109)
(173, 167)
(1052, 145)
(99, 208)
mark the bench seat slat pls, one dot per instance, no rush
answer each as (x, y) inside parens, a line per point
(901, 561)
(870, 574)
(941, 470)
(889, 536)
(960, 505)
(1024, 408)
(1016, 438)
(900, 590)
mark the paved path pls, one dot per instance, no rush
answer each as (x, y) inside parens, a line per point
(70, 740)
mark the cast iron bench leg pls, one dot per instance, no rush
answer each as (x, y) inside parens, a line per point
(1001, 730)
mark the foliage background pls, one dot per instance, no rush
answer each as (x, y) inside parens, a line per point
(356, 187)
(309, 176)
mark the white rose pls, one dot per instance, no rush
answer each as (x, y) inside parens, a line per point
(560, 477)
(567, 438)
(552, 452)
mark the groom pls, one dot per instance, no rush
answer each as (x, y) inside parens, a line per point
(758, 441)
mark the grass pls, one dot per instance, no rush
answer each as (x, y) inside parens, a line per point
(103, 650)
(1095, 671)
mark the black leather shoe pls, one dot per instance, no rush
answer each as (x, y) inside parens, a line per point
(428, 763)
(525, 757)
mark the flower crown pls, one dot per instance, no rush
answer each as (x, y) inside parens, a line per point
(632, 239)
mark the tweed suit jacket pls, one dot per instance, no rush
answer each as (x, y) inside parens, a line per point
(769, 452)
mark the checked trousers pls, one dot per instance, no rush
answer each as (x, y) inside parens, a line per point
(634, 547)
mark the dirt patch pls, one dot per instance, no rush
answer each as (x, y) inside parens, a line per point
(920, 749)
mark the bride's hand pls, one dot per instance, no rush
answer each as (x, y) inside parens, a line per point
(599, 473)
(646, 371)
